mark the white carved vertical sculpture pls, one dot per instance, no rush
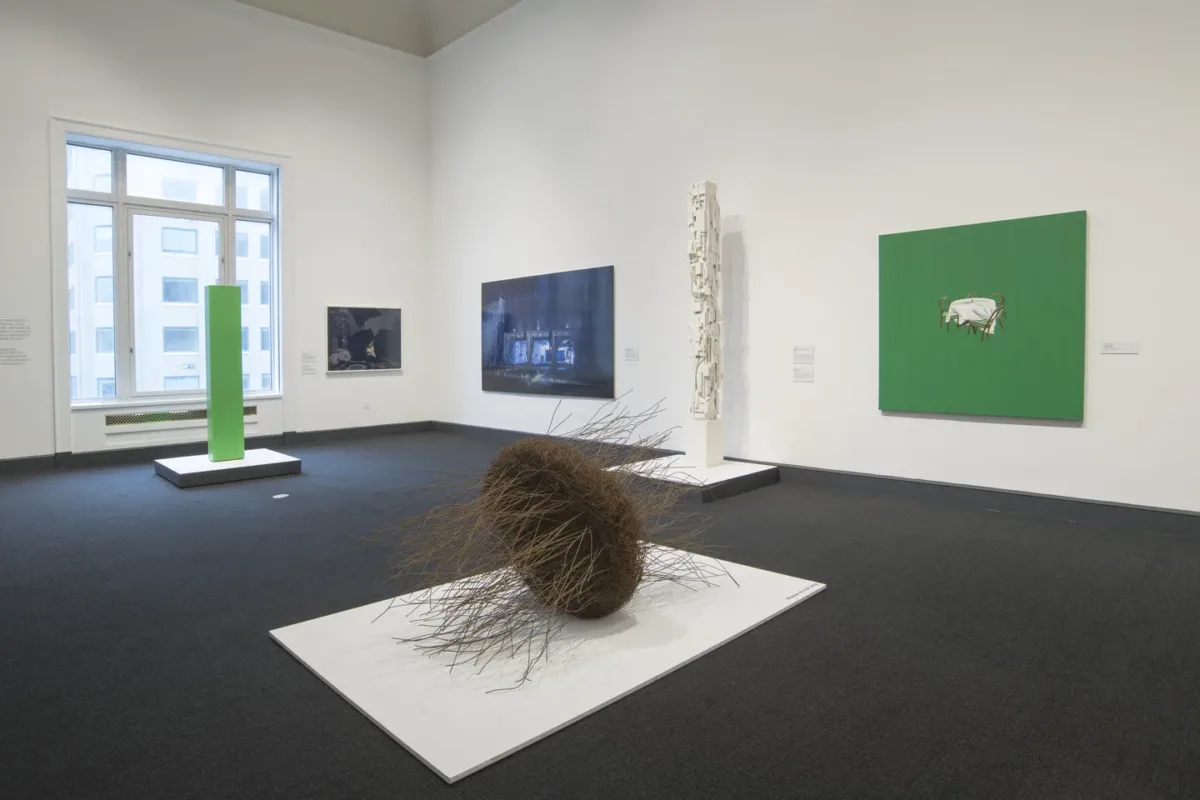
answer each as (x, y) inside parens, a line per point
(706, 446)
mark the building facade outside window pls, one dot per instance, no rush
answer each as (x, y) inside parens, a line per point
(147, 230)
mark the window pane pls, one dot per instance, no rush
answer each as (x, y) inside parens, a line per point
(256, 316)
(253, 191)
(106, 387)
(243, 245)
(245, 340)
(182, 189)
(105, 341)
(89, 277)
(267, 383)
(264, 247)
(102, 239)
(168, 317)
(104, 289)
(180, 290)
(181, 241)
(245, 287)
(89, 169)
(179, 383)
(163, 179)
(245, 381)
(181, 340)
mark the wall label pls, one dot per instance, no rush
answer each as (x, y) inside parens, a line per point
(804, 354)
(803, 373)
(15, 330)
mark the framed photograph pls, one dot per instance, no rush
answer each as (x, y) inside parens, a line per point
(363, 339)
(550, 334)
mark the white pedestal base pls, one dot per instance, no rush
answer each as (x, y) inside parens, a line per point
(715, 482)
(451, 722)
(188, 471)
(705, 442)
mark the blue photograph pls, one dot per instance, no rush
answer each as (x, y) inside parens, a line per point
(550, 334)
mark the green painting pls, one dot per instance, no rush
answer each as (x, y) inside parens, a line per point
(985, 319)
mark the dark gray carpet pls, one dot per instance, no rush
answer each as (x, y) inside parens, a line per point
(970, 645)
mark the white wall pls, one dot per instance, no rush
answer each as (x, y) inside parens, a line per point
(565, 134)
(349, 118)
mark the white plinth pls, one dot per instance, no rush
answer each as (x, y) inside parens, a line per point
(188, 471)
(453, 722)
(682, 469)
(705, 442)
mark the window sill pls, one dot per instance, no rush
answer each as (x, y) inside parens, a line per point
(159, 402)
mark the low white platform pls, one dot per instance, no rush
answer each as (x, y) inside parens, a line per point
(713, 483)
(456, 724)
(677, 470)
(188, 471)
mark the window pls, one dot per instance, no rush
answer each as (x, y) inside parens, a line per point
(87, 166)
(91, 321)
(72, 343)
(137, 217)
(245, 381)
(180, 290)
(74, 386)
(179, 181)
(102, 239)
(105, 340)
(181, 340)
(104, 289)
(253, 190)
(182, 189)
(180, 383)
(183, 241)
(267, 383)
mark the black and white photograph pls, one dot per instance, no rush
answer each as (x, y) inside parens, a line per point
(363, 339)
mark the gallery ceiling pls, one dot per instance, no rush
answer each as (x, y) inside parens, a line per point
(420, 27)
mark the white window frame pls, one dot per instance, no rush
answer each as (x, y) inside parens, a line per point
(124, 207)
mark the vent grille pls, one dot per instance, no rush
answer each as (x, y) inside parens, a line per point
(152, 417)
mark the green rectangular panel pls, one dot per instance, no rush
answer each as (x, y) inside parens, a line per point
(985, 319)
(223, 340)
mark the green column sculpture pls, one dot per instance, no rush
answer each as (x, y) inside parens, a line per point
(223, 341)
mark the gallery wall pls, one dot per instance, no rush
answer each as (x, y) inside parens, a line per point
(565, 134)
(347, 116)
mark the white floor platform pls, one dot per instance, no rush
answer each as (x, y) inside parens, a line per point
(456, 724)
(188, 471)
(677, 470)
